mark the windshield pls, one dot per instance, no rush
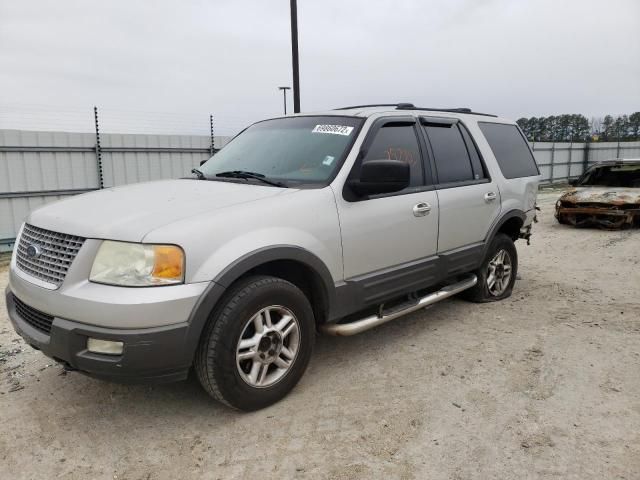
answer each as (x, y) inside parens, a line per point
(625, 176)
(294, 150)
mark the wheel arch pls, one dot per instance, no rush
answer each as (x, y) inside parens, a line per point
(294, 264)
(509, 223)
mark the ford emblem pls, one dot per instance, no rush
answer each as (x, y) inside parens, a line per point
(33, 251)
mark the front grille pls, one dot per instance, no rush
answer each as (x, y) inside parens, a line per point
(37, 319)
(56, 253)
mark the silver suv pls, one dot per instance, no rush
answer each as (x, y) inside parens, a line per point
(337, 221)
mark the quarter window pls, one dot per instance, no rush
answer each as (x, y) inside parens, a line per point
(398, 142)
(510, 149)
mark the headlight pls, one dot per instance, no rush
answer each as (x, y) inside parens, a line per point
(138, 264)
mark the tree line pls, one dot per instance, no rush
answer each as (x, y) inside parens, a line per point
(577, 128)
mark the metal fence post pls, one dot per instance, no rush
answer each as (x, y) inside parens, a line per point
(569, 161)
(585, 158)
(98, 149)
(553, 154)
(212, 148)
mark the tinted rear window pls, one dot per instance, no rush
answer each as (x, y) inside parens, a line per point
(510, 149)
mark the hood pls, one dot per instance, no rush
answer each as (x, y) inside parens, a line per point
(128, 213)
(611, 195)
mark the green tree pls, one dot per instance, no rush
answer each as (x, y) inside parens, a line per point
(575, 127)
(634, 125)
(564, 123)
(580, 128)
(608, 132)
(621, 128)
(535, 125)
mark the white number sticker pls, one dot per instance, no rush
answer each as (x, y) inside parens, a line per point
(333, 129)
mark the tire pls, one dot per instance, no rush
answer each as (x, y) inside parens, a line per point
(227, 368)
(485, 291)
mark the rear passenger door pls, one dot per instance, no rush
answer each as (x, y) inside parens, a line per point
(469, 199)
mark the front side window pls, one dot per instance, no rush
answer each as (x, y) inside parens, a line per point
(397, 142)
(294, 151)
(450, 154)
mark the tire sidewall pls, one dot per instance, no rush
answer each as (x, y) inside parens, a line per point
(499, 242)
(234, 316)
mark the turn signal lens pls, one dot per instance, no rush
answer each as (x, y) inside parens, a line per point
(168, 262)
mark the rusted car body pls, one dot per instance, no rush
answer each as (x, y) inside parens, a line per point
(607, 196)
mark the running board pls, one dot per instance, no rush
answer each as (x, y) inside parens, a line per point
(364, 324)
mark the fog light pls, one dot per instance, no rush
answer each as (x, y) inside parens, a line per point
(106, 347)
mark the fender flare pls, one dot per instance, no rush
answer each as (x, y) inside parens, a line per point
(217, 287)
(269, 254)
(515, 213)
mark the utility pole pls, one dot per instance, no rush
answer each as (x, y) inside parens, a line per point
(284, 94)
(212, 147)
(98, 149)
(294, 56)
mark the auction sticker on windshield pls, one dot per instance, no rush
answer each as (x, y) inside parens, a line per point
(334, 129)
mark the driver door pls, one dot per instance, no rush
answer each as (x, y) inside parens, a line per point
(389, 241)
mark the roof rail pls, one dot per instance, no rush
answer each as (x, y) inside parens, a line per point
(397, 105)
(448, 110)
(411, 106)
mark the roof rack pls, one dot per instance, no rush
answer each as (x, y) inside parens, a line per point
(411, 106)
(448, 110)
(404, 105)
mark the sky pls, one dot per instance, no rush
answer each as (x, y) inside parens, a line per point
(164, 66)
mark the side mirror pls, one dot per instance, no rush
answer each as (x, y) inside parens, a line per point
(381, 176)
(202, 162)
(573, 183)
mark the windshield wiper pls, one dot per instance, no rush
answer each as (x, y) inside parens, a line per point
(252, 175)
(198, 174)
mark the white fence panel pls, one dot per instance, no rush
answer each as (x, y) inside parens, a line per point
(41, 167)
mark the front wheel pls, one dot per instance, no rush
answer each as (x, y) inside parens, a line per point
(497, 275)
(257, 344)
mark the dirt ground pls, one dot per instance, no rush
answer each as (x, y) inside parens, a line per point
(543, 385)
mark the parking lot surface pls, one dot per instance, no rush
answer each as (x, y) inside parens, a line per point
(544, 385)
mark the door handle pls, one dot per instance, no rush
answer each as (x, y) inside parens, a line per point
(421, 209)
(490, 196)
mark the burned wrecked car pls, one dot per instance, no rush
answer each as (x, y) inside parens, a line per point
(607, 195)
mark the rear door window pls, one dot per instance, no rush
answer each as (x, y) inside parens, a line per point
(479, 172)
(450, 153)
(510, 149)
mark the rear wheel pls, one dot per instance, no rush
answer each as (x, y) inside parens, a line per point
(497, 275)
(257, 344)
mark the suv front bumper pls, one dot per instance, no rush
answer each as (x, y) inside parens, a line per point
(150, 354)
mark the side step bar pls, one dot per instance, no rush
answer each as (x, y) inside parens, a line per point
(359, 326)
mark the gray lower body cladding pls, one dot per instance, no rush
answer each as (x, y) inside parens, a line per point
(160, 354)
(163, 354)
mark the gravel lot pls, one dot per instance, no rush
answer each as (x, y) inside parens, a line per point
(543, 385)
